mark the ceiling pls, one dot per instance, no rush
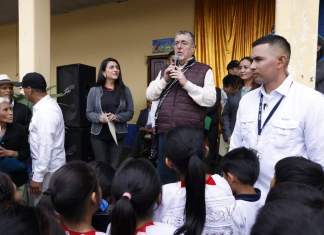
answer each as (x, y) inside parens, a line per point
(9, 8)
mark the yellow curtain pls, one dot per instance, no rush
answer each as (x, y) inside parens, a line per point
(225, 30)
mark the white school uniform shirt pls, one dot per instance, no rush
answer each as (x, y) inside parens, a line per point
(154, 229)
(245, 213)
(220, 204)
(295, 129)
(46, 138)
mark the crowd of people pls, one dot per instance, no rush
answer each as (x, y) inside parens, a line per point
(271, 181)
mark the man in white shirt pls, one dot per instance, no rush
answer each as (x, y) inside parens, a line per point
(282, 118)
(46, 134)
(184, 90)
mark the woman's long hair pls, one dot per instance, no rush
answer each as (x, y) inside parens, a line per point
(119, 84)
(184, 148)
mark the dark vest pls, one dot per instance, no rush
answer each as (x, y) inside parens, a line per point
(178, 108)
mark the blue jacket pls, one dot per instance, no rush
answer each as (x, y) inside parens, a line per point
(124, 111)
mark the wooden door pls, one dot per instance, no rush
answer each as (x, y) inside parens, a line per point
(155, 64)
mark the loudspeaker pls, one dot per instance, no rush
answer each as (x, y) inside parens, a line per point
(73, 84)
(77, 144)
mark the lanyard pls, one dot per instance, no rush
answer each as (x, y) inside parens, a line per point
(260, 128)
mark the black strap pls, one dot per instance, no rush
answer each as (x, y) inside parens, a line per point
(170, 85)
(260, 128)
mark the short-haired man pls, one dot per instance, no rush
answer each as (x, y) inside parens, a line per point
(21, 113)
(46, 134)
(233, 67)
(185, 89)
(282, 118)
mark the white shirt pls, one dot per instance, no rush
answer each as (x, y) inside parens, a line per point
(295, 129)
(155, 229)
(220, 204)
(244, 216)
(151, 116)
(46, 138)
(204, 96)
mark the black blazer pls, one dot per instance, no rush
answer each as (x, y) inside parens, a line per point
(16, 138)
(142, 118)
(21, 114)
(229, 114)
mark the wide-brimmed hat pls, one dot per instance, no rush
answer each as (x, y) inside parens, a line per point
(5, 79)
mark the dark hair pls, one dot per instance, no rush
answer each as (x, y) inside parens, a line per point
(119, 84)
(296, 192)
(7, 190)
(105, 174)
(38, 90)
(286, 218)
(248, 58)
(135, 190)
(300, 170)
(184, 148)
(231, 80)
(242, 163)
(273, 39)
(19, 219)
(232, 64)
(70, 189)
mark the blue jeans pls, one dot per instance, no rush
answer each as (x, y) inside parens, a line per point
(166, 174)
(16, 169)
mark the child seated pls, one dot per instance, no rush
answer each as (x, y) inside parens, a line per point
(136, 190)
(105, 174)
(75, 195)
(241, 170)
(299, 170)
(199, 203)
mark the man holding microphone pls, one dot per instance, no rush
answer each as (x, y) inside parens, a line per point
(185, 89)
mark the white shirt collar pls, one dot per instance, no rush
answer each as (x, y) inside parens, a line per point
(282, 89)
(41, 101)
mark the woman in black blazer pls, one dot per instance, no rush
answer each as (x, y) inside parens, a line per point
(14, 147)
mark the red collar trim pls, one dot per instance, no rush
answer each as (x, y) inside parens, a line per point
(70, 232)
(209, 181)
(143, 227)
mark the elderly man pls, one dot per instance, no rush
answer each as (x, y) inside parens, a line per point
(282, 118)
(184, 89)
(21, 113)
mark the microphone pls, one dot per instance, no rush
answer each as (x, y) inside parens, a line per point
(176, 60)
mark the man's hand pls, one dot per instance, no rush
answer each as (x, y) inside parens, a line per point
(167, 72)
(146, 130)
(35, 187)
(177, 74)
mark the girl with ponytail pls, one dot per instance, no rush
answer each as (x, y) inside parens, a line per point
(199, 203)
(136, 190)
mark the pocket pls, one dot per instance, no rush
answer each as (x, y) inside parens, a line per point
(284, 132)
(248, 130)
